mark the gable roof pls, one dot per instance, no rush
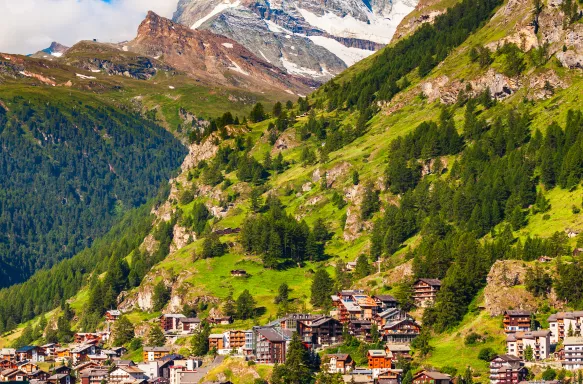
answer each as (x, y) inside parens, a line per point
(432, 282)
(385, 298)
(435, 375)
(26, 348)
(517, 312)
(156, 349)
(340, 356)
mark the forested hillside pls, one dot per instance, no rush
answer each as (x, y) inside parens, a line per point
(69, 170)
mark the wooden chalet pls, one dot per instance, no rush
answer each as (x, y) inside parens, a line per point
(322, 331)
(401, 331)
(340, 363)
(431, 377)
(507, 369)
(516, 321)
(425, 291)
(112, 315)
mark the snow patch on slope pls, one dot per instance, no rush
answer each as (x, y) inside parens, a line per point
(349, 55)
(295, 69)
(218, 9)
(237, 68)
(380, 30)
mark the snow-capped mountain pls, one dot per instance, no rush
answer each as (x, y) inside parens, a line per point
(311, 38)
(54, 51)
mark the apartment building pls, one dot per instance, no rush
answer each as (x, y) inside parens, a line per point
(507, 369)
(425, 291)
(539, 341)
(564, 324)
(516, 321)
(573, 350)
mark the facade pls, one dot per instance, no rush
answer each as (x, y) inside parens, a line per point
(378, 358)
(385, 302)
(170, 321)
(112, 315)
(507, 369)
(271, 344)
(573, 350)
(399, 351)
(425, 291)
(320, 331)
(516, 321)
(125, 374)
(94, 375)
(563, 324)
(354, 305)
(31, 353)
(539, 341)
(82, 353)
(401, 331)
(217, 341)
(91, 337)
(61, 378)
(155, 353)
(188, 325)
(431, 377)
(340, 363)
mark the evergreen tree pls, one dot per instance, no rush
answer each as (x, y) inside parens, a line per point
(199, 344)
(245, 305)
(297, 362)
(370, 202)
(229, 305)
(283, 294)
(161, 296)
(155, 337)
(363, 268)
(322, 288)
(123, 331)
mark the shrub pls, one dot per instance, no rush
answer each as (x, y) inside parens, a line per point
(486, 354)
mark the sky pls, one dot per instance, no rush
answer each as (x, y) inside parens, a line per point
(28, 26)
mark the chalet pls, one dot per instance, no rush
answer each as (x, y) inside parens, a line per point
(63, 354)
(61, 378)
(7, 364)
(30, 352)
(81, 353)
(573, 350)
(399, 351)
(544, 259)
(91, 337)
(239, 273)
(86, 365)
(378, 358)
(271, 344)
(401, 331)
(119, 351)
(571, 233)
(507, 369)
(360, 376)
(94, 376)
(38, 375)
(188, 325)
(351, 266)
(112, 315)
(50, 349)
(563, 324)
(431, 377)
(538, 341)
(227, 231)
(7, 353)
(127, 374)
(220, 320)
(425, 291)
(391, 376)
(385, 301)
(62, 369)
(217, 341)
(516, 321)
(170, 321)
(340, 363)
(322, 331)
(98, 359)
(27, 366)
(154, 353)
(354, 305)
(361, 329)
(12, 375)
(390, 315)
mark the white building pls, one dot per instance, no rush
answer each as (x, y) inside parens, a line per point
(126, 374)
(540, 342)
(573, 347)
(563, 324)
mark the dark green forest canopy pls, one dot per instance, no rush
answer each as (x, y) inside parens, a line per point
(68, 171)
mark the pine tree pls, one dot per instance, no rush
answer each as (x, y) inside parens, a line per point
(161, 296)
(245, 305)
(322, 288)
(297, 362)
(283, 294)
(123, 331)
(363, 268)
(155, 337)
(229, 305)
(370, 202)
(199, 344)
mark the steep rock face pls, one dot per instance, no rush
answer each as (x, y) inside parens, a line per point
(306, 37)
(211, 58)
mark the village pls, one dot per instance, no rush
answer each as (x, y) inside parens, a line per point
(91, 358)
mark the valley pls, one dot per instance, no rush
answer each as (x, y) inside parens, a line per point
(416, 217)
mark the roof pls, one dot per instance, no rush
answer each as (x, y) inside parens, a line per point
(130, 369)
(174, 315)
(565, 315)
(433, 282)
(272, 335)
(26, 348)
(397, 322)
(322, 320)
(189, 320)
(517, 312)
(435, 375)
(508, 358)
(527, 335)
(350, 306)
(385, 298)
(216, 336)
(156, 349)
(398, 347)
(58, 376)
(7, 351)
(377, 353)
(114, 312)
(573, 340)
(340, 356)
(81, 348)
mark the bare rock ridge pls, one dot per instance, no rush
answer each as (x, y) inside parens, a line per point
(212, 58)
(305, 37)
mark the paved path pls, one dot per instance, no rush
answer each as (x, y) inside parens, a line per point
(202, 371)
